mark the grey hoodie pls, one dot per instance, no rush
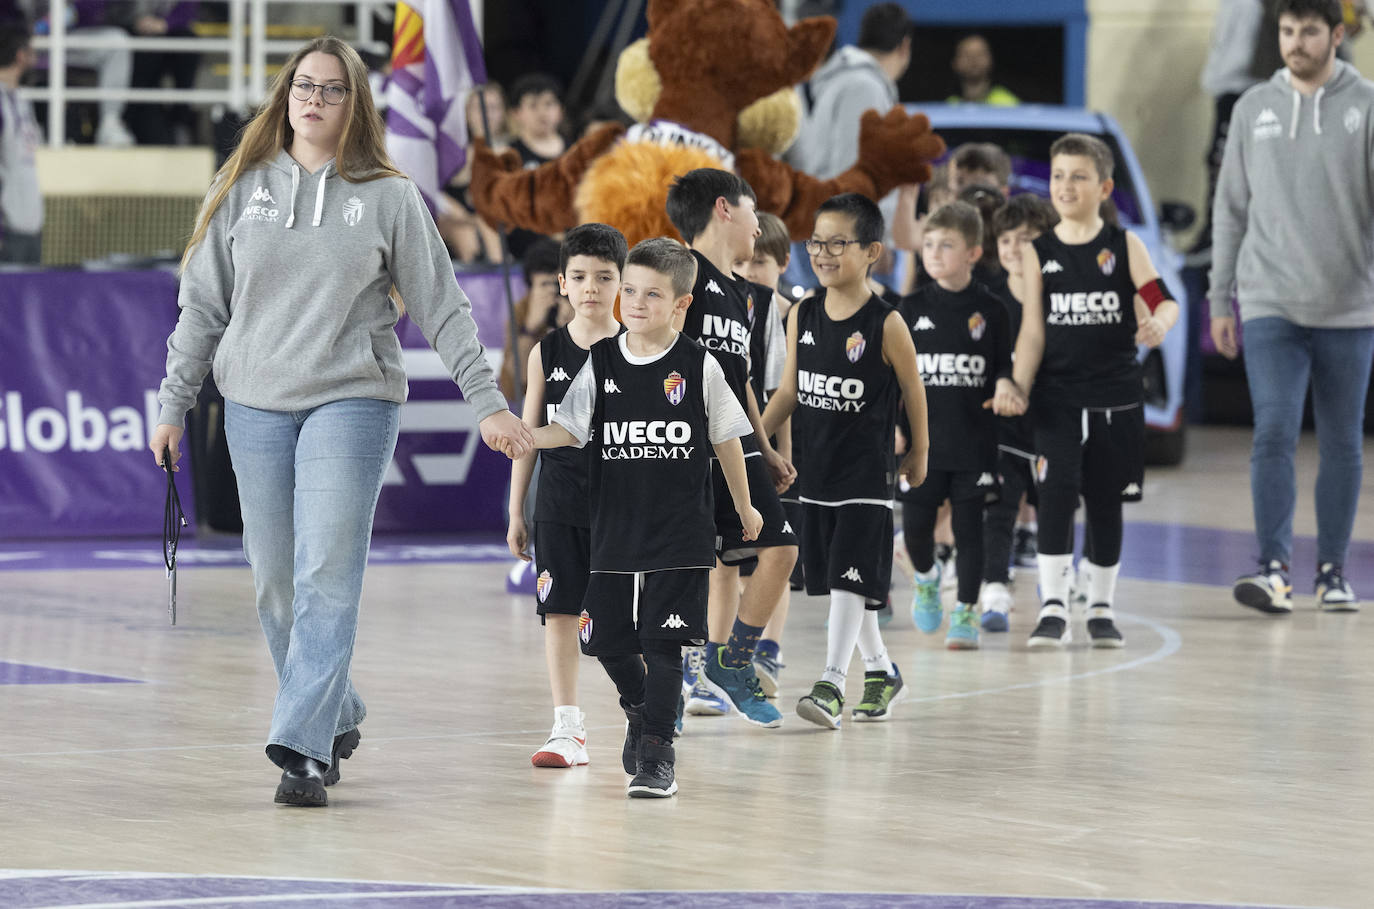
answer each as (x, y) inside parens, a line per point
(1293, 225)
(845, 86)
(287, 296)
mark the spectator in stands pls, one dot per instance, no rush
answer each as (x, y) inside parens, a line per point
(972, 65)
(535, 111)
(160, 124)
(114, 65)
(541, 310)
(21, 204)
(469, 238)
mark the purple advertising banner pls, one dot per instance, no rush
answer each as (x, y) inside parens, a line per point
(81, 357)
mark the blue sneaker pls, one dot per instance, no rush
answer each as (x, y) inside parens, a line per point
(740, 687)
(963, 628)
(691, 665)
(996, 605)
(926, 610)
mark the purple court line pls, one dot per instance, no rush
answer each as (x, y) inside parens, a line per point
(54, 890)
(29, 674)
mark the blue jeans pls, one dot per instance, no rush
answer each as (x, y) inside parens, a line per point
(308, 485)
(1279, 359)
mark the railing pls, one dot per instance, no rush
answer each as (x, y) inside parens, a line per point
(247, 48)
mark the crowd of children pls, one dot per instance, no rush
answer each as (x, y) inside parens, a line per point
(1006, 380)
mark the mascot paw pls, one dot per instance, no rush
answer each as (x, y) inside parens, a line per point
(896, 148)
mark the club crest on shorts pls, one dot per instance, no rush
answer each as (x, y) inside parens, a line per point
(1106, 261)
(976, 326)
(353, 211)
(542, 585)
(675, 386)
(854, 347)
(1042, 466)
(584, 627)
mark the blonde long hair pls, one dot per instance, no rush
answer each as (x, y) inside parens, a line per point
(362, 152)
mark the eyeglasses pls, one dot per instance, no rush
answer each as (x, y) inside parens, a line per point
(834, 247)
(304, 90)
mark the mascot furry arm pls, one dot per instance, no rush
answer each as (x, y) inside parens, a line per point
(707, 64)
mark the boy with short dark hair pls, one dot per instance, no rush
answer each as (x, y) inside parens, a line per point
(589, 267)
(980, 162)
(714, 211)
(651, 400)
(1077, 343)
(964, 352)
(849, 359)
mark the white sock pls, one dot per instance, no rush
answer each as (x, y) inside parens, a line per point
(1056, 572)
(871, 645)
(846, 620)
(567, 715)
(1029, 525)
(1102, 583)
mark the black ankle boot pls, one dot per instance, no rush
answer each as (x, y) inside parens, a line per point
(302, 781)
(654, 779)
(344, 745)
(634, 729)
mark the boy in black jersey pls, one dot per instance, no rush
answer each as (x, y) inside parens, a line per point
(849, 356)
(963, 340)
(589, 268)
(714, 212)
(1091, 295)
(651, 400)
(1007, 535)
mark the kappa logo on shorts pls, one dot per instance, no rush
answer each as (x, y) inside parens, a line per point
(559, 374)
(985, 479)
(673, 621)
(1051, 267)
(807, 339)
(923, 324)
(675, 386)
(977, 325)
(714, 288)
(542, 585)
(584, 627)
(852, 574)
(1268, 125)
(1106, 260)
(1132, 489)
(353, 211)
(1042, 466)
(787, 527)
(610, 388)
(854, 346)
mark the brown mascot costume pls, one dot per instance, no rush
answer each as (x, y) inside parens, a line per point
(711, 86)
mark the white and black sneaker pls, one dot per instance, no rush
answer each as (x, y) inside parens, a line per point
(654, 779)
(1333, 590)
(1102, 628)
(1267, 589)
(1052, 628)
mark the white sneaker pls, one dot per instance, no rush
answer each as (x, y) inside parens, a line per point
(566, 747)
(1333, 590)
(996, 603)
(112, 133)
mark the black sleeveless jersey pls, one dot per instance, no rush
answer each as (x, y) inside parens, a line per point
(1090, 326)
(651, 501)
(963, 347)
(561, 496)
(759, 307)
(846, 405)
(718, 320)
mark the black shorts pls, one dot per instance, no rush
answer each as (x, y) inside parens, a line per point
(848, 547)
(1016, 468)
(731, 547)
(1093, 452)
(621, 610)
(563, 559)
(955, 485)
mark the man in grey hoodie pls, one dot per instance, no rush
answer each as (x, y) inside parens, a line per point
(1293, 240)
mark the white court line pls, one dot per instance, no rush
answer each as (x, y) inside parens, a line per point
(1170, 643)
(273, 898)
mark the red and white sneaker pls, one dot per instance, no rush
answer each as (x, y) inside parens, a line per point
(566, 747)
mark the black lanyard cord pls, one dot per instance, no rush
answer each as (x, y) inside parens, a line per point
(173, 519)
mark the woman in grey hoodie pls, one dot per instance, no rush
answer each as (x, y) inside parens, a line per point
(285, 294)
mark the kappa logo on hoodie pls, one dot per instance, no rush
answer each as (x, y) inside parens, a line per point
(261, 207)
(1267, 125)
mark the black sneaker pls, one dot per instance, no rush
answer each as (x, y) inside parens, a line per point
(1052, 629)
(1267, 589)
(1102, 629)
(654, 779)
(1333, 590)
(1024, 548)
(634, 730)
(344, 745)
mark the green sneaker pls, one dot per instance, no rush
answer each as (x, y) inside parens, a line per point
(963, 628)
(881, 691)
(824, 706)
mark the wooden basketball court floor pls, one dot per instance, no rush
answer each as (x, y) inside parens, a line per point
(1222, 757)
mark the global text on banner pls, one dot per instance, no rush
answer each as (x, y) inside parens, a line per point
(436, 60)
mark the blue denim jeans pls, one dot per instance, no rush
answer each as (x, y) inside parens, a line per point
(1280, 357)
(308, 485)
